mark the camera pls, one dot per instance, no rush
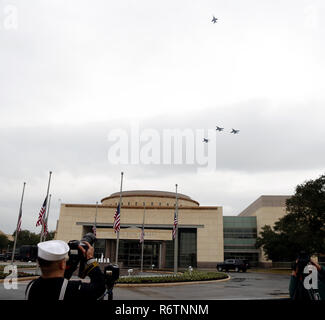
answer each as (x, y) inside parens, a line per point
(112, 273)
(76, 256)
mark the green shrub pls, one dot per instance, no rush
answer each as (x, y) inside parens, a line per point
(184, 277)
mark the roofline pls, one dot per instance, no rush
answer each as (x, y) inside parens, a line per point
(265, 201)
(142, 193)
(71, 205)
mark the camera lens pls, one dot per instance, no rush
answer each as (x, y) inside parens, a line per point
(90, 238)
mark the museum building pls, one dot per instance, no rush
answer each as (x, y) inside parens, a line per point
(200, 229)
(205, 236)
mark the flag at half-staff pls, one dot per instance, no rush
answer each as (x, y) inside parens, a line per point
(175, 225)
(18, 225)
(45, 229)
(94, 230)
(142, 236)
(19, 220)
(40, 220)
(117, 217)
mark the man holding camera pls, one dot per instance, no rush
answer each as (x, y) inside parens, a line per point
(53, 284)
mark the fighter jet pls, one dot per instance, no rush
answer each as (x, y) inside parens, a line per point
(205, 140)
(219, 129)
(234, 131)
(214, 20)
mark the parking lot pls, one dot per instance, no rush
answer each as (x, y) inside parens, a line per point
(241, 286)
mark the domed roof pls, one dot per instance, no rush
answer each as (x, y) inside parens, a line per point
(150, 193)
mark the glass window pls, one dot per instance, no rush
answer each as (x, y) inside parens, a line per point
(99, 248)
(187, 248)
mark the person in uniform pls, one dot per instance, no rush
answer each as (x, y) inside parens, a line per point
(51, 285)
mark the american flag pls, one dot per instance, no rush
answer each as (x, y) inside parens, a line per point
(41, 214)
(142, 236)
(175, 225)
(19, 220)
(45, 230)
(94, 230)
(117, 216)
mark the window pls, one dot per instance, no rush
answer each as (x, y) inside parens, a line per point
(187, 248)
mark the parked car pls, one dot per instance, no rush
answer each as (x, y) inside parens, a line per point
(232, 264)
(3, 257)
(28, 253)
(16, 256)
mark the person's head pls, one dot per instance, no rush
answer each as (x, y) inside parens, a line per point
(302, 260)
(51, 267)
(52, 257)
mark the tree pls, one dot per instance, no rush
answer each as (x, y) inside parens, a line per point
(3, 242)
(25, 237)
(302, 228)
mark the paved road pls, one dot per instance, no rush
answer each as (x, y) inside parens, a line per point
(241, 286)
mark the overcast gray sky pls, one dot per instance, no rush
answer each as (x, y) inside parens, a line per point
(71, 71)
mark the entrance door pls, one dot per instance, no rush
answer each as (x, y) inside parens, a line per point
(130, 253)
(151, 255)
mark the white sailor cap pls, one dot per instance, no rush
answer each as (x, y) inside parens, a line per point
(52, 250)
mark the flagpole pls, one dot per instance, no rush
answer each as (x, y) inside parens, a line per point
(19, 219)
(95, 233)
(118, 232)
(47, 217)
(176, 236)
(142, 244)
(47, 195)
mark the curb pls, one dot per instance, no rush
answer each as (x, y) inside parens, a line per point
(168, 284)
(124, 285)
(21, 279)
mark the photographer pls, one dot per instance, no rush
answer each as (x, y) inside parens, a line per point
(297, 289)
(53, 285)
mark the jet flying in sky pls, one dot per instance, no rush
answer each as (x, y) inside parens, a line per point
(214, 20)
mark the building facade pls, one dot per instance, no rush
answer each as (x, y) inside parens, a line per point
(200, 229)
(205, 236)
(240, 235)
(266, 210)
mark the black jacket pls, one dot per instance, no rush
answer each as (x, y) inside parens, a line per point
(49, 289)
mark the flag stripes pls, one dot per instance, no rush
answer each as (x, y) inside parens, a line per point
(142, 236)
(117, 217)
(40, 220)
(175, 225)
(19, 220)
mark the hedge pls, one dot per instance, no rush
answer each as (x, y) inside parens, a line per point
(184, 277)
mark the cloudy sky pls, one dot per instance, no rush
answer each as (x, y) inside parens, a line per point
(73, 71)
